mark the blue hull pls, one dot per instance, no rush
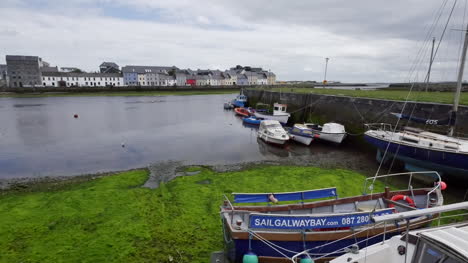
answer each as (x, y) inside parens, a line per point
(251, 121)
(238, 248)
(239, 104)
(444, 162)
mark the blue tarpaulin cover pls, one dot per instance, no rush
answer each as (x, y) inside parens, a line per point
(292, 196)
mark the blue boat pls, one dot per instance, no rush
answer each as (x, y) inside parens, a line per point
(240, 100)
(252, 120)
(277, 226)
(421, 150)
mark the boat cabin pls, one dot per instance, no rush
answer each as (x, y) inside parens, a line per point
(279, 109)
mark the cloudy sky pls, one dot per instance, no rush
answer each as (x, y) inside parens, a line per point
(366, 40)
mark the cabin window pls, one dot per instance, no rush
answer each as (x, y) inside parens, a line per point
(450, 147)
(428, 253)
(409, 140)
(276, 108)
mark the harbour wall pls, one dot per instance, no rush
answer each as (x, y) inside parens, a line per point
(354, 112)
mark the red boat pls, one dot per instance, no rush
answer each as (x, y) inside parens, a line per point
(242, 112)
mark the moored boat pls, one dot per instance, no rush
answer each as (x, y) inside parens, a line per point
(274, 232)
(300, 133)
(240, 100)
(242, 112)
(448, 243)
(279, 113)
(228, 106)
(271, 131)
(332, 132)
(252, 120)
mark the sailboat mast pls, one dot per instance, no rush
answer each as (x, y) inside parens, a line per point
(430, 64)
(456, 100)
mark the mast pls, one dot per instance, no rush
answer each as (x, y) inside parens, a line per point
(326, 66)
(430, 63)
(456, 100)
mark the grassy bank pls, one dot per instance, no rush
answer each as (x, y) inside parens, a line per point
(120, 93)
(437, 97)
(113, 219)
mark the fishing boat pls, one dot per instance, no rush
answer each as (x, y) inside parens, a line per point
(448, 243)
(302, 134)
(271, 131)
(279, 113)
(256, 226)
(242, 112)
(252, 120)
(240, 100)
(420, 149)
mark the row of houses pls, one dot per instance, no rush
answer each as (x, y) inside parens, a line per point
(32, 71)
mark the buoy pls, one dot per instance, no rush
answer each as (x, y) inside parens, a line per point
(75, 116)
(443, 185)
(250, 257)
(306, 259)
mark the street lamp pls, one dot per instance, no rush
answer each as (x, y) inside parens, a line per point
(326, 66)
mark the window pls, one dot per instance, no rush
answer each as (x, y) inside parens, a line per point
(44, 84)
(43, 78)
(86, 83)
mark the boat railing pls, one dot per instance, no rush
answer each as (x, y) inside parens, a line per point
(410, 180)
(379, 126)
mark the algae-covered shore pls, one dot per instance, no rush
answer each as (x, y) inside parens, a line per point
(112, 218)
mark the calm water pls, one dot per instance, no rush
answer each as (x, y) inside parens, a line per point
(40, 136)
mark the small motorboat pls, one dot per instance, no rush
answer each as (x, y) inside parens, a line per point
(252, 120)
(240, 100)
(242, 112)
(302, 134)
(279, 113)
(271, 131)
(251, 111)
(332, 132)
(228, 105)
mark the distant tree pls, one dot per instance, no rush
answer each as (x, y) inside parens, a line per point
(77, 71)
(171, 72)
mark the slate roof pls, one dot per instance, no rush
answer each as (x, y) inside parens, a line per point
(71, 74)
(145, 69)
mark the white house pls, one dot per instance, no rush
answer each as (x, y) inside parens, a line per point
(63, 79)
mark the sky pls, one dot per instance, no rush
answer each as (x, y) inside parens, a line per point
(365, 40)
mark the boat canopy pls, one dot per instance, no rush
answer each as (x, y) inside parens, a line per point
(289, 196)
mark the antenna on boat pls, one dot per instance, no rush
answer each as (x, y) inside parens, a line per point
(456, 100)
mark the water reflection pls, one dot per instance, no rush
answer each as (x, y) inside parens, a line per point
(48, 140)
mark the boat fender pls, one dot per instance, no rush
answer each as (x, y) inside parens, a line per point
(250, 257)
(402, 197)
(272, 199)
(442, 185)
(306, 259)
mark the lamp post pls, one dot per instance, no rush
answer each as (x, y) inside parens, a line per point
(326, 66)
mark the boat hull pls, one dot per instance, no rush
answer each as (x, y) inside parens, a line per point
(281, 118)
(445, 162)
(270, 139)
(331, 137)
(239, 247)
(241, 112)
(251, 121)
(238, 104)
(302, 139)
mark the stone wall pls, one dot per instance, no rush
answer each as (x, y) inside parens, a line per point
(355, 112)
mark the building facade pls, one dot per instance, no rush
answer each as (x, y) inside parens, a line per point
(24, 71)
(64, 79)
(109, 67)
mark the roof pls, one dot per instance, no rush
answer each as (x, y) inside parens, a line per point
(146, 69)
(15, 57)
(72, 74)
(455, 238)
(49, 69)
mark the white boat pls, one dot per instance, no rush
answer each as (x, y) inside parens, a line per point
(332, 132)
(447, 243)
(279, 113)
(271, 131)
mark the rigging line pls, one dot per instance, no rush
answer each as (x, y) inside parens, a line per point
(429, 33)
(407, 97)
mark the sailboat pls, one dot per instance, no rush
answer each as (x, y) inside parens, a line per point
(420, 149)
